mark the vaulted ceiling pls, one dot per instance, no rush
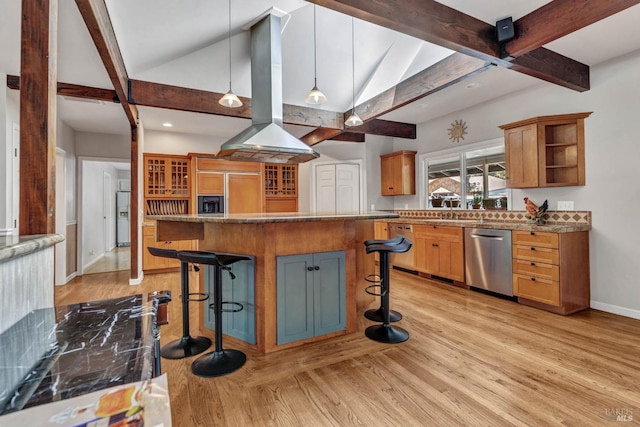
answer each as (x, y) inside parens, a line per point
(185, 44)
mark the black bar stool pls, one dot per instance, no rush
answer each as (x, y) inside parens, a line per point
(386, 332)
(220, 361)
(187, 345)
(377, 314)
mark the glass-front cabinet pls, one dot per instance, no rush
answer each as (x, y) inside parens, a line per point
(166, 177)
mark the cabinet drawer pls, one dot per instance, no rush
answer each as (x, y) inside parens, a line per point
(536, 254)
(534, 238)
(540, 290)
(453, 234)
(220, 165)
(536, 269)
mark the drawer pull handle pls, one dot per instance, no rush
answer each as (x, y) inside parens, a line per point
(533, 233)
(533, 264)
(533, 279)
(533, 249)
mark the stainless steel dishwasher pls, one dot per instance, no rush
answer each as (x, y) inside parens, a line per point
(488, 260)
(403, 260)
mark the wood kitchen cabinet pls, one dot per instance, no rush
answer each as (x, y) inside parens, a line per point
(398, 173)
(280, 187)
(439, 251)
(551, 270)
(151, 262)
(166, 177)
(546, 151)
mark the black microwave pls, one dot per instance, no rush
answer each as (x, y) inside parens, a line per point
(210, 204)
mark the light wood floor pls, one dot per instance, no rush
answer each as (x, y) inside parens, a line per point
(119, 258)
(472, 359)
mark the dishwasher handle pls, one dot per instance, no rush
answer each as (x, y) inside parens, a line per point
(485, 236)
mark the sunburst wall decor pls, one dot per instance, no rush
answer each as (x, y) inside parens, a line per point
(457, 131)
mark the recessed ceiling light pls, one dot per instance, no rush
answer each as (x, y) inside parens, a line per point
(167, 124)
(473, 85)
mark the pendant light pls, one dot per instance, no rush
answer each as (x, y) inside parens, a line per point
(354, 119)
(315, 97)
(230, 99)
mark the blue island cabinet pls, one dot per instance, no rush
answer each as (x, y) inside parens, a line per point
(241, 289)
(311, 295)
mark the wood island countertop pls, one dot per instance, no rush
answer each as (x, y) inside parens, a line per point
(257, 218)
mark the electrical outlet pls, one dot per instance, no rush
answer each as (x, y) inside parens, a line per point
(92, 252)
(565, 206)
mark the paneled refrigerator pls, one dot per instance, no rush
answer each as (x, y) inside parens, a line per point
(122, 215)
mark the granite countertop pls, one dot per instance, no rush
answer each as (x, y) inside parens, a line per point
(15, 246)
(62, 352)
(500, 225)
(263, 218)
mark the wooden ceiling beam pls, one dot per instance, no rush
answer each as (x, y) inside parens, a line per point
(450, 70)
(439, 24)
(386, 128)
(320, 134)
(349, 137)
(559, 18)
(75, 91)
(96, 18)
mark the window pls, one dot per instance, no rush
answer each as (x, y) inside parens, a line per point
(482, 170)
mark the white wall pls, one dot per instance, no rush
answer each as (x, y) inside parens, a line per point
(103, 145)
(180, 143)
(612, 154)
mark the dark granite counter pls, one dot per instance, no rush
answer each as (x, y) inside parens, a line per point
(15, 246)
(500, 225)
(264, 218)
(57, 353)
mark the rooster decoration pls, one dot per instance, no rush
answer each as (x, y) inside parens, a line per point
(535, 213)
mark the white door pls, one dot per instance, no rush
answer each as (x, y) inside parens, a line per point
(326, 188)
(60, 250)
(347, 188)
(16, 177)
(338, 188)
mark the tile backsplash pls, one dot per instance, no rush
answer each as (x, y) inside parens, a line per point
(552, 217)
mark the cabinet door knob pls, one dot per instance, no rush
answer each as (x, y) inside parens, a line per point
(533, 249)
(533, 264)
(316, 268)
(309, 268)
(533, 279)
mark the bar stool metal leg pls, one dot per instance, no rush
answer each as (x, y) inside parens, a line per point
(187, 345)
(220, 361)
(385, 332)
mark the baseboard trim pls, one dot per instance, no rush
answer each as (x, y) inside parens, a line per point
(137, 280)
(616, 309)
(6, 232)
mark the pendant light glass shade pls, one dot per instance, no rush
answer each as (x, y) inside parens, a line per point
(315, 97)
(354, 119)
(230, 99)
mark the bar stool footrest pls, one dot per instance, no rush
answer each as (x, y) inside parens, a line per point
(201, 297)
(218, 363)
(212, 306)
(377, 294)
(377, 315)
(373, 278)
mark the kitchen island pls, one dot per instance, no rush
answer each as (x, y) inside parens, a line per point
(273, 239)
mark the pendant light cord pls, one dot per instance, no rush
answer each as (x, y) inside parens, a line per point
(353, 71)
(229, 45)
(315, 71)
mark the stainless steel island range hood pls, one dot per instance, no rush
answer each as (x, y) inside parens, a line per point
(265, 140)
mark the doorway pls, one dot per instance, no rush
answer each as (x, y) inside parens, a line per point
(338, 188)
(99, 181)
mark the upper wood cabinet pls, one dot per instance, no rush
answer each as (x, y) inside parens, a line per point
(546, 151)
(166, 177)
(280, 187)
(210, 183)
(398, 172)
